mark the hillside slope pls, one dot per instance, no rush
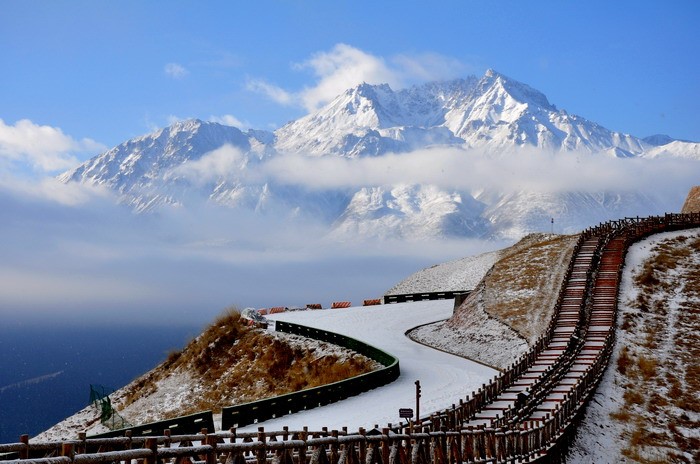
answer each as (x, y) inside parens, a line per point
(228, 364)
(510, 307)
(647, 407)
(692, 201)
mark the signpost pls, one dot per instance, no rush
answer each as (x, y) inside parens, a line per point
(407, 413)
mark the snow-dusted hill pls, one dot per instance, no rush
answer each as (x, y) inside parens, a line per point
(489, 115)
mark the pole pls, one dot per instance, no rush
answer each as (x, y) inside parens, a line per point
(418, 401)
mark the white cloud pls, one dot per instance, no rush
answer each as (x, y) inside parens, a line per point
(467, 170)
(224, 162)
(101, 262)
(175, 70)
(172, 119)
(50, 189)
(230, 120)
(44, 148)
(273, 92)
(429, 67)
(344, 67)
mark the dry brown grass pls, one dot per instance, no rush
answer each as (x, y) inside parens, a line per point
(622, 415)
(233, 363)
(660, 365)
(624, 361)
(647, 367)
(523, 285)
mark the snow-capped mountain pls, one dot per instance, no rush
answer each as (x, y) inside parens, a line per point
(154, 169)
(492, 114)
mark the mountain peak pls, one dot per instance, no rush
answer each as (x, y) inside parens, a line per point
(186, 125)
(659, 140)
(520, 92)
(491, 73)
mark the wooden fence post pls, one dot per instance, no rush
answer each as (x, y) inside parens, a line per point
(385, 445)
(363, 445)
(82, 447)
(335, 455)
(262, 452)
(67, 450)
(152, 444)
(24, 452)
(212, 455)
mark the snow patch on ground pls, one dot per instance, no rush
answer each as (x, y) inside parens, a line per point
(476, 336)
(457, 275)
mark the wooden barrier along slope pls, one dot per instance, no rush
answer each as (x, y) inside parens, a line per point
(527, 413)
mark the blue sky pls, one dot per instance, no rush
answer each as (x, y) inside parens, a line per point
(109, 71)
(79, 77)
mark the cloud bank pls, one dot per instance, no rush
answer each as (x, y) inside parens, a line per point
(70, 251)
(468, 170)
(95, 262)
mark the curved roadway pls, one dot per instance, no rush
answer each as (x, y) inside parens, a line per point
(445, 378)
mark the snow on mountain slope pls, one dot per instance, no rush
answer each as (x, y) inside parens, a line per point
(515, 214)
(151, 169)
(372, 120)
(410, 211)
(493, 113)
(675, 149)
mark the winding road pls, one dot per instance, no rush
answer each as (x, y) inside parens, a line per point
(444, 377)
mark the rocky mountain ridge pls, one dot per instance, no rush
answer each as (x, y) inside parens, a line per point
(491, 114)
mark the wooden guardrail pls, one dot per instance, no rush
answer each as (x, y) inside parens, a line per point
(439, 438)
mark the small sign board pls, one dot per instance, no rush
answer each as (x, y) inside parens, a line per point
(405, 413)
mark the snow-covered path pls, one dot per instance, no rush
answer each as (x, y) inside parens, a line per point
(445, 378)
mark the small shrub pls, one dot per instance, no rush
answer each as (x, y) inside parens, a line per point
(646, 277)
(626, 323)
(623, 415)
(656, 403)
(173, 357)
(647, 367)
(624, 361)
(633, 397)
